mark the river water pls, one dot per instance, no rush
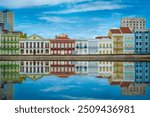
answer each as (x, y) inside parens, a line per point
(74, 80)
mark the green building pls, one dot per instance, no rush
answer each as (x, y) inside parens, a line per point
(9, 43)
(9, 71)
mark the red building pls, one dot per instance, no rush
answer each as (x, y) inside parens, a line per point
(62, 45)
(62, 69)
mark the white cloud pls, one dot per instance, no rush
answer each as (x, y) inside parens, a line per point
(77, 98)
(55, 19)
(31, 3)
(90, 6)
(57, 88)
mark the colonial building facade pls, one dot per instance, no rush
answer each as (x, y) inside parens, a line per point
(105, 69)
(9, 43)
(106, 45)
(62, 69)
(9, 71)
(34, 69)
(34, 45)
(81, 67)
(142, 72)
(62, 45)
(142, 41)
(93, 46)
(128, 43)
(81, 47)
(123, 40)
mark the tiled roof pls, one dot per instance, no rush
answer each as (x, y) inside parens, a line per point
(125, 30)
(115, 31)
(115, 83)
(102, 37)
(121, 30)
(125, 84)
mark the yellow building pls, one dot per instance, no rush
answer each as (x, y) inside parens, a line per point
(118, 71)
(119, 40)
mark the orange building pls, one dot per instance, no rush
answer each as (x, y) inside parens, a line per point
(62, 45)
(62, 69)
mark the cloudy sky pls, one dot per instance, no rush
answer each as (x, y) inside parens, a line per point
(78, 18)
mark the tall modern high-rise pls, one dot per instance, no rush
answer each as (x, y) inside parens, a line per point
(133, 23)
(7, 17)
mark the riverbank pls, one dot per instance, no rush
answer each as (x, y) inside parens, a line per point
(145, 58)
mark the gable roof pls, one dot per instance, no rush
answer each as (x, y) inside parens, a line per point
(121, 30)
(115, 31)
(125, 84)
(35, 37)
(125, 30)
(102, 37)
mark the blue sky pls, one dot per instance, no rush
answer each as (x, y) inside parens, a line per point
(81, 19)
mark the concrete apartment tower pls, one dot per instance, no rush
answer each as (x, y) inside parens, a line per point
(133, 23)
(7, 17)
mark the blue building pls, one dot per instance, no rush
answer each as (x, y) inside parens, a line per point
(142, 72)
(142, 41)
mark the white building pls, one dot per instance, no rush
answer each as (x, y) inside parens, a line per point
(35, 69)
(81, 67)
(93, 68)
(105, 45)
(105, 69)
(81, 47)
(93, 46)
(34, 45)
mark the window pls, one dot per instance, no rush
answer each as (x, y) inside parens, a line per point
(34, 63)
(26, 44)
(42, 69)
(146, 37)
(34, 45)
(30, 44)
(47, 63)
(26, 51)
(22, 63)
(38, 44)
(22, 51)
(34, 70)
(47, 51)
(42, 45)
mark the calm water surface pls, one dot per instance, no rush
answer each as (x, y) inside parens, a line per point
(70, 80)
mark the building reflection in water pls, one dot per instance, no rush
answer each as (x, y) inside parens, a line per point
(132, 77)
(9, 74)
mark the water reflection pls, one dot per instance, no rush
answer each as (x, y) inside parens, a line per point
(74, 80)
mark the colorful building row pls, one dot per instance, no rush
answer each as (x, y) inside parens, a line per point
(131, 77)
(118, 41)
